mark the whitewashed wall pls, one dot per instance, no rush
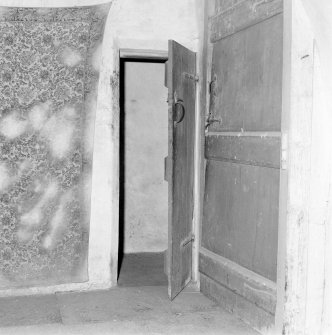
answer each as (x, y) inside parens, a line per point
(320, 14)
(308, 37)
(145, 225)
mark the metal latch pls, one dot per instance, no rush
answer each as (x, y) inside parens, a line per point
(187, 240)
(166, 169)
(284, 149)
(190, 76)
(210, 121)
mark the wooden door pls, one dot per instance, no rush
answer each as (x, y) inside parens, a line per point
(181, 83)
(238, 256)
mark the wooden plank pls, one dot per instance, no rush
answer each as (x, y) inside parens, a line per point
(181, 165)
(261, 150)
(234, 16)
(144, 54)
(234, 303)
(247, 79)
(240, 215)
(259, 290)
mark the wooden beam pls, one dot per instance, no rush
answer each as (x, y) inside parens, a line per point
(253, 287)
(144, 54)
(241, 307)
(259, 148)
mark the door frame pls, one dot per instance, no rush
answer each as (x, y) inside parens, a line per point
(147, 54)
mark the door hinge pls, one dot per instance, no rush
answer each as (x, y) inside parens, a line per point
(210, 121)
(284, 149)
(166, 75)
(187, 240)
(212, 85)
(166, 168)
(190, 76)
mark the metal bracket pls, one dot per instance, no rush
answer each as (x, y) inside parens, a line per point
(187, 240)
(212, 85)
(284, 151)
(210, 121)
(190, 76)
(166, 168)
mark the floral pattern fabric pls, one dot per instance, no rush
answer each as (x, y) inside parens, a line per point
(48, 91)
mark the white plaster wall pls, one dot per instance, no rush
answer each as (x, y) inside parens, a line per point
(141, 24)
(148, 24)
(319, 281)
(145, 146)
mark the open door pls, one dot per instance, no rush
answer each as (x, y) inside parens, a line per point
(181, 83)
(243, 145)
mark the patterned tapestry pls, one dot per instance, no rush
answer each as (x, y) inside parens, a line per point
(49, 65)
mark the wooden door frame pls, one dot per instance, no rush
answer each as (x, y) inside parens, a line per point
(147, 54)
(127, 53)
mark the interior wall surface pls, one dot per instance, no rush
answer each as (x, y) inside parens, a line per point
(306, 303)
(145, 144)
(319, 287)
(144, 24)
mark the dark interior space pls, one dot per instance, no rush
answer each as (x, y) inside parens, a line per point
(121, 164)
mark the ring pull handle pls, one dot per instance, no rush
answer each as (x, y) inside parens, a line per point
(179, 111)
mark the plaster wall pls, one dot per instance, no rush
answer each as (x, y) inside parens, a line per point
(146, 145)
(144, 24)
(312, 303)
(319, 287)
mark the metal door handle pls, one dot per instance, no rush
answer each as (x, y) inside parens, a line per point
(179, 111)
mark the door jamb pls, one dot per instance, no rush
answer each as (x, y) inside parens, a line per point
(115, 85)
(131, 53)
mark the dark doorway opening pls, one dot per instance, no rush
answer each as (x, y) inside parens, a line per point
(142, 190)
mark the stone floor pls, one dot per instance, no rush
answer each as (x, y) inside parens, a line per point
(122, 310)
(142, 269)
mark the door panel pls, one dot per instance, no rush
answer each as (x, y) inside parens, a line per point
(238, 255)
(246, 72)
(237, 15)
(181, 70)
(241, 215)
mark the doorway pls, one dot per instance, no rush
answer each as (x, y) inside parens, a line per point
(143, 206)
